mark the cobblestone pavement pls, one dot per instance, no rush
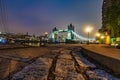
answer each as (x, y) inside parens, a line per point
(56, 63)
(12, 60)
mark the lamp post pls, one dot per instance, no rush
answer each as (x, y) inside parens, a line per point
(88, 38)
(98, 38)
(88, 30)
(102, 39)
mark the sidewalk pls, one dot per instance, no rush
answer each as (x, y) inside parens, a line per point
(107, 56)
(105, 50)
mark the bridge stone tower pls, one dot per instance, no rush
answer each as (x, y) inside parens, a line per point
(54, 33)
(70, 35)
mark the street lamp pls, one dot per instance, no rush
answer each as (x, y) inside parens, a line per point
(46, 33)
(102, 38)
(88, 30)
(98, 34)
(98, 37)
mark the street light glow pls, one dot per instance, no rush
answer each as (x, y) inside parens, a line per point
(102, 37)
(46, 33)
(98, 34)
(88, 29)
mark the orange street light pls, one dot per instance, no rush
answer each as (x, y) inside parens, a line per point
(88, 30)
(98, 34)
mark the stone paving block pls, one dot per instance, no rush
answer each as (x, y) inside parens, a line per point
(65, 70)
(36, 71)
(66, 65)
(65, 56)
(55, 51)
(70, 76)
(65, 51)
(84, 63)
(92, 76)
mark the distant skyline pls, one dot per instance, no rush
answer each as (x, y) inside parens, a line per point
(39, 16)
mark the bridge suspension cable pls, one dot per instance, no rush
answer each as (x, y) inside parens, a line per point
(81, 37)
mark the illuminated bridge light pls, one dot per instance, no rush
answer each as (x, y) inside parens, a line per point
(69, 35)
(3, 40)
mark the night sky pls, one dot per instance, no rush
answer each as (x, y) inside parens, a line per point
(39, 16)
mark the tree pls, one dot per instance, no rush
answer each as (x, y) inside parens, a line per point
(112, 20)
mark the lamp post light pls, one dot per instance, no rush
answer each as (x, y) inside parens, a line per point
(88, 30)
(98, 38)
(98, 34)
(88, 38)
(102, 38)
(46, 34)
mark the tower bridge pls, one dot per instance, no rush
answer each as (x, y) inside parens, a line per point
(67, 34)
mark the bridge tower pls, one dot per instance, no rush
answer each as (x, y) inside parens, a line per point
(54, 33)
(70, 35)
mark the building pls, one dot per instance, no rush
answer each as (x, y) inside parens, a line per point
(110, 18)
(105, 6)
